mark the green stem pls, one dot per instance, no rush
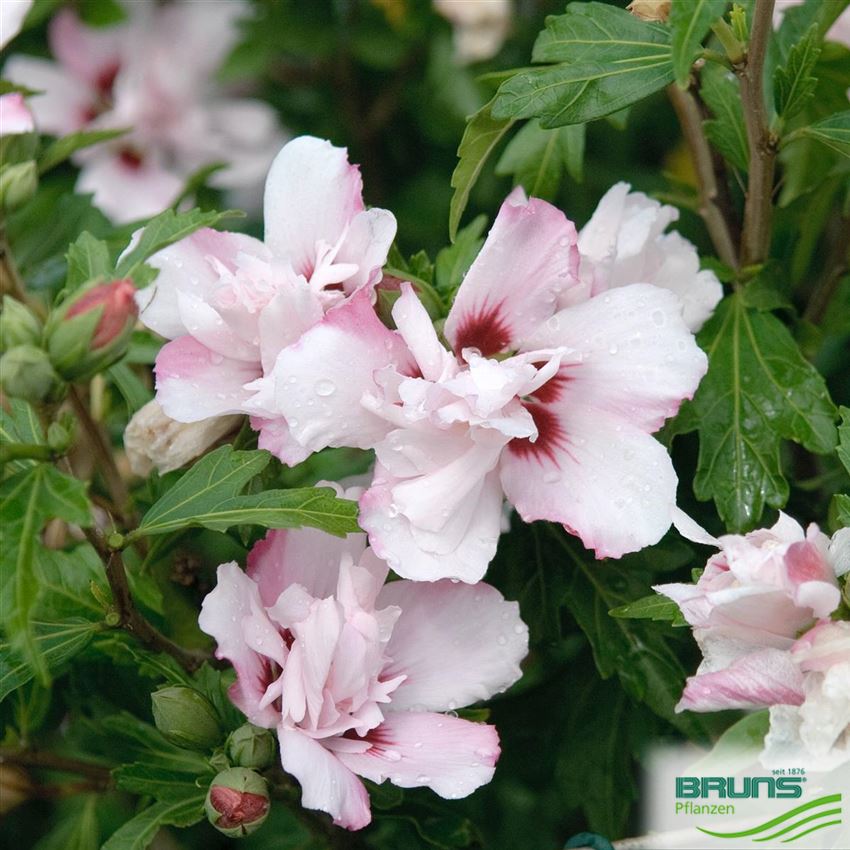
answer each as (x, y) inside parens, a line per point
(21, 451)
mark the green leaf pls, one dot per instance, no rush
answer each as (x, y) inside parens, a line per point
(646, 659)
(834, 132)
(57, 643)
(88, 259)
(839, 510)
(208, 495)
(63, 148)
(758, 391)
(452, 263)
(77, 827)
(655, 607)
(158, 782)
(690, 20)
(537, 157)
(164, 230)
(27, 500)
(726, 131)
(793, 83)
(482, 134)
(20, 424)
(139, 832)
(609, 60)
(131, 387)
(844, 437)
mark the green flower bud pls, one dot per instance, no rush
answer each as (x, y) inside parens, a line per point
(18, 184)
(26, 372)
(18, 325)
(91, 331)
(237, 802)
(186, 718)
(251, 746)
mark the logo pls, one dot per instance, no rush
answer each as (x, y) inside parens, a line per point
(808, 818)
(739, 787)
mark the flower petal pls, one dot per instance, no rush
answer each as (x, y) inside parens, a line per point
(312, 193)
(638, 359)
(456, 643)
(367, 244)
(604, 479)
(92, 54)
(302, 556)
(223, 612)
(756, 680)
(194, 383)
(452, 757)
(320, 380)
(461, 549)
(190, 266)
(529, 257)
(326, 783)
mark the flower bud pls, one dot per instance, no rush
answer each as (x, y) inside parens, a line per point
(237, 802)
(186, 718)
(650, 10)
(91, 331)
(18, 325)
(26, 372)
(18, 183)
(251, 746)
(15, 115)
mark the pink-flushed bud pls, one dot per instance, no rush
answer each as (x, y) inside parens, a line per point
(119, 309)
(237, 802)
(91, 330)
(15, 116)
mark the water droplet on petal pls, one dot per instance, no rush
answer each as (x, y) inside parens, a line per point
(325, 388)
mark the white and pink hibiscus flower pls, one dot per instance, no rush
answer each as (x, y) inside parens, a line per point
(550, 408)
(154, 74)
(752, 601)
(355, 675)
(230, 303)
(814, 729)
(625, 242)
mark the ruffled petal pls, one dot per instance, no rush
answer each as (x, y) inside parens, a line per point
(529, 258)
(312, 193)
(320, 381)
(326, 783)
(604, 479)
(194, 383)
(302, 556)
(456, 643)
(636, 357)
(757, 680)
(452, 757)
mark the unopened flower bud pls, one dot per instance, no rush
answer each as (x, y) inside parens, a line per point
(186, 718)
(251, 746)
(26, 372)
(237, 802)
(651, 10)
(18, 325)
(92, 331)
(18, 183)
(153, 440)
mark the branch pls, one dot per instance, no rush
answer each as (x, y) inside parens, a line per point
(758, 209)
(98, 773)
(103, 453)
(711, 191)
(128, 616)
